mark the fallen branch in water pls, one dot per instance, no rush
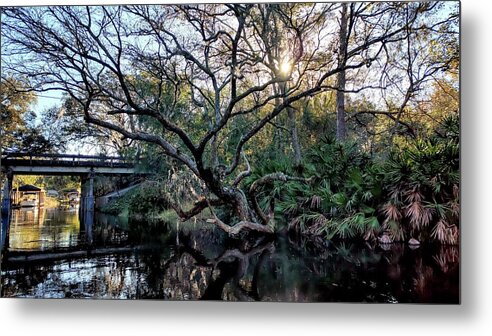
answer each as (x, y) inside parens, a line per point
(238, 227)
(56, 255)
(234, 230)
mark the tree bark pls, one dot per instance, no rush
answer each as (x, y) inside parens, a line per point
(292, 124)
(341, 80)
(296, 147)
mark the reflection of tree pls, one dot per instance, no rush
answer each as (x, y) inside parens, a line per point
(233, 265)
(308, 271)
(40, 229)
(442, 264)
(25, 231)
(208, 266)
(327, 271)
(447, 257)
(190, 273)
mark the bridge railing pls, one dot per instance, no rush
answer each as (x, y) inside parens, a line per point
(68, 158)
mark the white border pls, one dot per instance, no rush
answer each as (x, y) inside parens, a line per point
(473, 317)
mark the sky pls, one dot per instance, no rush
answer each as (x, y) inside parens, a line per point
(50, 99)
(47, 100)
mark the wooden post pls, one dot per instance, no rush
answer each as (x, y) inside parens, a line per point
(83, 187)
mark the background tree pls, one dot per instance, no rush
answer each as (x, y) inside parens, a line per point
(341, 79)
(15, 106)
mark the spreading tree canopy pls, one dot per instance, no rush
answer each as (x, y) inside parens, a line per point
(186, 77)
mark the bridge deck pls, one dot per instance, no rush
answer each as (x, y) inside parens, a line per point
(65, 164)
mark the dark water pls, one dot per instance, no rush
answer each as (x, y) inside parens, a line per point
(50, 254)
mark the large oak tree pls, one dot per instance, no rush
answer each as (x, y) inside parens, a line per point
(211, 68)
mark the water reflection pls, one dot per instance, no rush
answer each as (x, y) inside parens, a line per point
(155, 261)
(34, 229)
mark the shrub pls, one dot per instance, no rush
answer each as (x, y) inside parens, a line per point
(414, 192)
(147, 199)
(143, 200)
(422, 182)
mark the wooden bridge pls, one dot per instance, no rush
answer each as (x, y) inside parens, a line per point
(64, 164)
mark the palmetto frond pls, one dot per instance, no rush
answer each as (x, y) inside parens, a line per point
(391, 212)
(445, 233)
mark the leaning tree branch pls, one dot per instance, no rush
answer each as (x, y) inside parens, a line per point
(244, 173)
(389, 114)
(166, 146)
(197, 208)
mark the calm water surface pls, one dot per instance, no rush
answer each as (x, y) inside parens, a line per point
(49, 253)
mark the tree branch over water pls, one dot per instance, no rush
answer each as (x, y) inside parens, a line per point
(202, 82)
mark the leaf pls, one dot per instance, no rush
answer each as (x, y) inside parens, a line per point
(372, 223)
(368, 210)
(339, 199)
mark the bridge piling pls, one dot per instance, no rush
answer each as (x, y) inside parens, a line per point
(4, 230)
(87, 199)
(6, 193)
(6, 209)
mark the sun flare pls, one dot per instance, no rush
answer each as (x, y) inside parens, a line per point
(285, 66)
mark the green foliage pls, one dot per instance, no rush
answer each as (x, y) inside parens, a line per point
(118, 206)
(14, 111)
(146, 200)
(340, 201)
(62, 182)
(413, 193)
(343, 199)
(422, 182)
(151, 159)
